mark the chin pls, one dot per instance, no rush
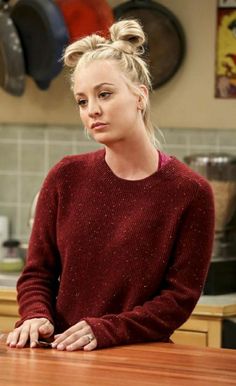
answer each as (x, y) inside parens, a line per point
(106, 139)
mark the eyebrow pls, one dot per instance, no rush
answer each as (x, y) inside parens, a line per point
(97, 87)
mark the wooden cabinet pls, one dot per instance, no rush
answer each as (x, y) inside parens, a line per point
(203, 328)
(8, 309)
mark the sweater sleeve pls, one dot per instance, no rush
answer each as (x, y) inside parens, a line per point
(38, 284)
(156, 319)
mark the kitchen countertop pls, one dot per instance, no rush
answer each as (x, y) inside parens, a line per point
(220, 305)
(226, 302)
(8, 280)
(135, 365)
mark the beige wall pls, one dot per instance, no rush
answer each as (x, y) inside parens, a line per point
(187, 100)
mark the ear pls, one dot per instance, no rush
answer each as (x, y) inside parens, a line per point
(142, 97)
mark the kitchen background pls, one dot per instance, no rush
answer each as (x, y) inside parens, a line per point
(40, 127)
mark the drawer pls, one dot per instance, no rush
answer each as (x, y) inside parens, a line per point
(7, 323)
(194, 338)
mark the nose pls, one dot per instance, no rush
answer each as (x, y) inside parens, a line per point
(94, 108)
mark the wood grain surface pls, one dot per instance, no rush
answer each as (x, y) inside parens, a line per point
(144, 364)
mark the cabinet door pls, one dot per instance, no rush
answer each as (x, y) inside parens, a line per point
(194, 338)
(7, 323)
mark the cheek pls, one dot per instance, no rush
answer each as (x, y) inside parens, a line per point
(130, 103)
(125, 106)
(83, 116)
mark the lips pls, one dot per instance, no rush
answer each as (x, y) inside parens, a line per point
(98, 125)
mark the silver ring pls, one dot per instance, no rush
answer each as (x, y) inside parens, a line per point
(90, 338)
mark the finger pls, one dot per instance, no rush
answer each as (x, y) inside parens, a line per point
(79, 344)
(62, 337)
(23, 336)
(46, 329)
(67, 340)
(9, 338)
(34, 335)
(13, 339)
(70, 340)
(40, 327)
(91, 346)
(59, 339)
(81, 327)
(76, 327)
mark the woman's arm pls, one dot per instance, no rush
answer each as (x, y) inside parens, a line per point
(38, 284)
(156, 319)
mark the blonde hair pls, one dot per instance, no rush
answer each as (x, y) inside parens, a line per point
(125, 47)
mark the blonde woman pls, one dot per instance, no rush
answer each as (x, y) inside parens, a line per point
(122, 237)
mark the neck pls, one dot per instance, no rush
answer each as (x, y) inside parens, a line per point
(132, 160)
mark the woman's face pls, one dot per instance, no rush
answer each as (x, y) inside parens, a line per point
(108, 109)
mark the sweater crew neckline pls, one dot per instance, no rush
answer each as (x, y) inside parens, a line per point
(149, 179)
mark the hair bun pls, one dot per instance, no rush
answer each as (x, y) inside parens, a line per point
(128, 36)
(75, 50)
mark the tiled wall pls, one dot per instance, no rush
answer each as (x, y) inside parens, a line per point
(27, 153)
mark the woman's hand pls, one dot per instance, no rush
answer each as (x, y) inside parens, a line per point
(30, 330)
(75, 338)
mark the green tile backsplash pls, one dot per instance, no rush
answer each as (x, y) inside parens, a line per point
(8, 156)
(27, 153)
(9, 188)
(32, 157)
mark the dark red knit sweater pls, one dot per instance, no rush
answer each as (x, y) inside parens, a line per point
(131, 256)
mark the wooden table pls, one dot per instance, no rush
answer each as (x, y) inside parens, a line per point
(136, 365)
